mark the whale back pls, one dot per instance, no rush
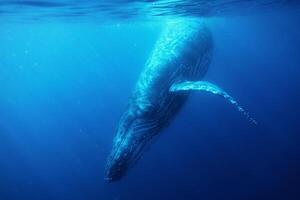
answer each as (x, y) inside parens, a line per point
(183, 52)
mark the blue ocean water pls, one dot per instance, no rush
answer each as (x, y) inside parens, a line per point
(68, 68)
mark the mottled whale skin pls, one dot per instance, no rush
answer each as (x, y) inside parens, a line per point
(182, 53)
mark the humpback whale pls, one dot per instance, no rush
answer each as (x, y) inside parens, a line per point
(178, 62)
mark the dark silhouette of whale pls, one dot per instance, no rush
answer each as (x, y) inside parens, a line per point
(180, 58)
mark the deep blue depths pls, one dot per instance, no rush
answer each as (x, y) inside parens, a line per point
(64, 86)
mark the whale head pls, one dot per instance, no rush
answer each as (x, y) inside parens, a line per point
(135, 131)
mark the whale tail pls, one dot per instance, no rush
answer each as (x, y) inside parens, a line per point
(209, 87)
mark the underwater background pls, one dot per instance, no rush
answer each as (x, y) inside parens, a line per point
(67, 70)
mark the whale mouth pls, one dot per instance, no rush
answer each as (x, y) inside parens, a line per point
(129, 145)
(115, 173)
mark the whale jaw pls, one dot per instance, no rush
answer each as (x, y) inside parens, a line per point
(134, 134)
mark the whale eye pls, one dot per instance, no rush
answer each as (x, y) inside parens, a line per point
(144, 109)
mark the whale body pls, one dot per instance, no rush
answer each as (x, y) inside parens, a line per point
(179, 60)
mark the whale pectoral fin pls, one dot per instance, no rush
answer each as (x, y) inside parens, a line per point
(209, 87)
